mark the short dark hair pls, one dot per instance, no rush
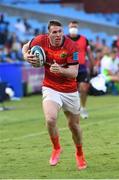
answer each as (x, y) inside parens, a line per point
(74, 22)
(54, 22)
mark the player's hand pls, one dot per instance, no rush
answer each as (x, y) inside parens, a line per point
(55, 68)
(31, 58)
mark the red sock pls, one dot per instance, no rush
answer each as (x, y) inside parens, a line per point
(55, 142)
(79, 149)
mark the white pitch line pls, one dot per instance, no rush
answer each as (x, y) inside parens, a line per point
(45, 132)
(29, 135)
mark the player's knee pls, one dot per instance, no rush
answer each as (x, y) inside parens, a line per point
(84, 87)
(51, 121)
(73, 125)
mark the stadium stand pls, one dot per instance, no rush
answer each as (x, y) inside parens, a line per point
(98, 24)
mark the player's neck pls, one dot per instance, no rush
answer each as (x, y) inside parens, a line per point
(73, 35)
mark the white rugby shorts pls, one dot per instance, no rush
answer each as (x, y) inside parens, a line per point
(67, 101)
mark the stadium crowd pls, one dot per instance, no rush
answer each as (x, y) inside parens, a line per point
(11, 40)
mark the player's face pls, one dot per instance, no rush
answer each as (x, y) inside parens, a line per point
(56, 35)
(73, 29)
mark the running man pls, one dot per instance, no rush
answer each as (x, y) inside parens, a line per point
(59, 87)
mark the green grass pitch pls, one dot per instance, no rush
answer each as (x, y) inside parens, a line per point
(25, 146)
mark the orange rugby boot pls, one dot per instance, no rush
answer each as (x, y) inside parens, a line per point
(55, 156)
(80, 161)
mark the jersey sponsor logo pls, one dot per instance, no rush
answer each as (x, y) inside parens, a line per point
(75, 56)
(59, 54)
(63, 55)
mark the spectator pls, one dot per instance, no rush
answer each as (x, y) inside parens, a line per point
(20, 26)
(28, 28)
(115, 43)
(3, 30)
(110, 66)
(98, 57)
(98, 43)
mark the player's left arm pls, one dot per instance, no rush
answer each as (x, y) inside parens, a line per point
(90, 54)
(71, 71)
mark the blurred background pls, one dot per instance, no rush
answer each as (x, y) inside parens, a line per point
(24, 142)
(21, 20)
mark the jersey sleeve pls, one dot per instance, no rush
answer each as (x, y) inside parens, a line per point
(36, 41)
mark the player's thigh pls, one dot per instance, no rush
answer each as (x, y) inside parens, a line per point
(51, 103)
(84, 87)
(51, 110)
(72, 118)
(71, 102)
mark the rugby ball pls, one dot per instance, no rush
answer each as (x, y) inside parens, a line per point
(39, 52)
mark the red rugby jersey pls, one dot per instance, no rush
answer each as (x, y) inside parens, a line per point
(64, 56)
(82, 44)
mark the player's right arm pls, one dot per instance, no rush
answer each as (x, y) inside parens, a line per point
(25, 51)
(28, 56)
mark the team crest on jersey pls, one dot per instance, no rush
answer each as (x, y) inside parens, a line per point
(63, 55)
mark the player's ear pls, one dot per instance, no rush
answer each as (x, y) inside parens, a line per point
(29, 51)
(49, 31)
